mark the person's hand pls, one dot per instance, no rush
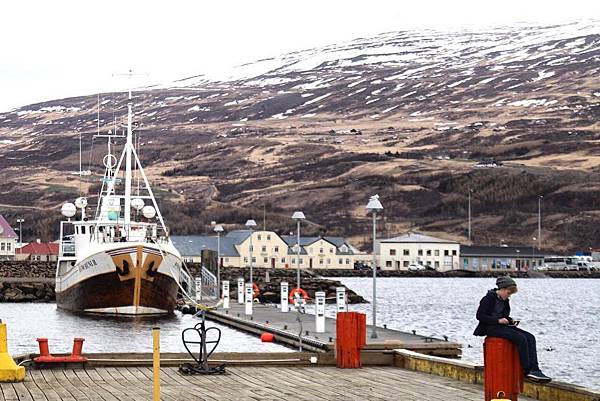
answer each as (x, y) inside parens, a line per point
(503, 321)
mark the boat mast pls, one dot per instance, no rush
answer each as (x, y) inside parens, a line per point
(128, 151)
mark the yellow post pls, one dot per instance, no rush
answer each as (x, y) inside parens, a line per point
(156, 362)
(9, 371)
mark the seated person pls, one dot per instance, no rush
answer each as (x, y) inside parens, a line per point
(495, 321)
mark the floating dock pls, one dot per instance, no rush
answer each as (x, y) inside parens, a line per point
(286, 330)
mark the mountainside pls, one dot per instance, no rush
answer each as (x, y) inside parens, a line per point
(404, 114)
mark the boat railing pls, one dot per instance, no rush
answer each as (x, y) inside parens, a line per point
(209, 283)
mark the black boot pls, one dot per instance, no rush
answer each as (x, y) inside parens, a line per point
(538, 376)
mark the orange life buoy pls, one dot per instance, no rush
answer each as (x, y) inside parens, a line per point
(303, 294)
(255, 290)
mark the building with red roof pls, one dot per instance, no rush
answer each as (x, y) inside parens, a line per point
(39, 251)
(8, 240)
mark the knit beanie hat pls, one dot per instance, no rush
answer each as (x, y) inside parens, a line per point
(505, 282)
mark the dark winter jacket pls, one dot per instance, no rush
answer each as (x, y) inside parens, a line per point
(491, 309)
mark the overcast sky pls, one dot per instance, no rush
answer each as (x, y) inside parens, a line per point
(54, 49)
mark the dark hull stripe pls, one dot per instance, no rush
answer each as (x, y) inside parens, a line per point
(107, 291)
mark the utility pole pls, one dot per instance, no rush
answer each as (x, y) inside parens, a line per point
(540, 221)
(470, 191)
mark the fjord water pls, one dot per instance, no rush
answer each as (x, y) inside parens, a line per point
(564, 315)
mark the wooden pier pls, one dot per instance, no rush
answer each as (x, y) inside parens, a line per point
(239, 383)
(286, 330)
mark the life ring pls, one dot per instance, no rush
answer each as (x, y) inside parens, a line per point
(303, 294)
(255, 290)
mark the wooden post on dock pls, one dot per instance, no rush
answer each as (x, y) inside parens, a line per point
(156, 363)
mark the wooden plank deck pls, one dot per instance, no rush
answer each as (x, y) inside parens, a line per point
(240, 383)
(286, 329)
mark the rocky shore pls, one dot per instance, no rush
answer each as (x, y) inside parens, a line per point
(27, 281)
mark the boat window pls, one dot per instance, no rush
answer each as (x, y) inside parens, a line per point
(83, 229)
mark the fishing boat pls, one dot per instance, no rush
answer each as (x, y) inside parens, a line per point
(121, 260)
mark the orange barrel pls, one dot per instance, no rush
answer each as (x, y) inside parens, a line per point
(43, 344)
(502, 369)
(77, 346)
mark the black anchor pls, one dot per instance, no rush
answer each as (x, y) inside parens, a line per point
(200, 332)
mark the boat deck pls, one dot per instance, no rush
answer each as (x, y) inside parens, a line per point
(240, 383)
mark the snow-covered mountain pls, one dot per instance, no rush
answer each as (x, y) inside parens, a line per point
(404, 114)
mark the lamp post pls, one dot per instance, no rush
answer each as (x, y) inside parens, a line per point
(20, 221)
(218, 229)
(533, 253)
(540, 221)
(298, 216)
(374, 206)
(519, 259)
(250, 224)
(470, 191)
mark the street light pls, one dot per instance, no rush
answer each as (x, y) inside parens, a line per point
(519, 259)
(470, 192)
(298, 216)
(218, 229)
(374, 206)
(540, 221)
(20, 221)
(251, 223)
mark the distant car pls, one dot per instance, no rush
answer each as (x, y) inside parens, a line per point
(416, 267)
(542, 268)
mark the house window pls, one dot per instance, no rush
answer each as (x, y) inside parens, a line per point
(328, 261)
(406, 252)
(321, 250)
(253, 259)
(330, 250)
(301, 260)
(388, 263)
(437, 264)
(429, 263)
(347, 261)
(265, 260)
(282, 260)
(259, 237)
(320, 261)
(293, 260)
(420, 252)
(2, 246)
(8, 246)
(264, 249)
(454, 252)
(429, 252)
(276, 249)
(268, 237)
(446, 253)
(392, 252)
(405, 263)
(466, 263)
(341, 261)
(251, 248)
(436, 252)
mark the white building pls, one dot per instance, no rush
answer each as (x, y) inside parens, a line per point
(269, 250)
(399, 253)
(8, 240)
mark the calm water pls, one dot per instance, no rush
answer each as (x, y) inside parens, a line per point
(26, 322)
(564, 314)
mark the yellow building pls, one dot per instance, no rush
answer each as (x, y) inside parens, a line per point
(417, 251)
(8, 240)
(270, 250)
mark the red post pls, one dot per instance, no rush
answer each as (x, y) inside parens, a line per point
(43, 344)
(350, 338)
(502, 369)
(77, 346)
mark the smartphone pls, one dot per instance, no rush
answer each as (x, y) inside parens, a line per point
(515, 323)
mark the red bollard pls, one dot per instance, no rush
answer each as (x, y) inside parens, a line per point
(77, 346)
(350, 339)
(502, 369)
(43, 344)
